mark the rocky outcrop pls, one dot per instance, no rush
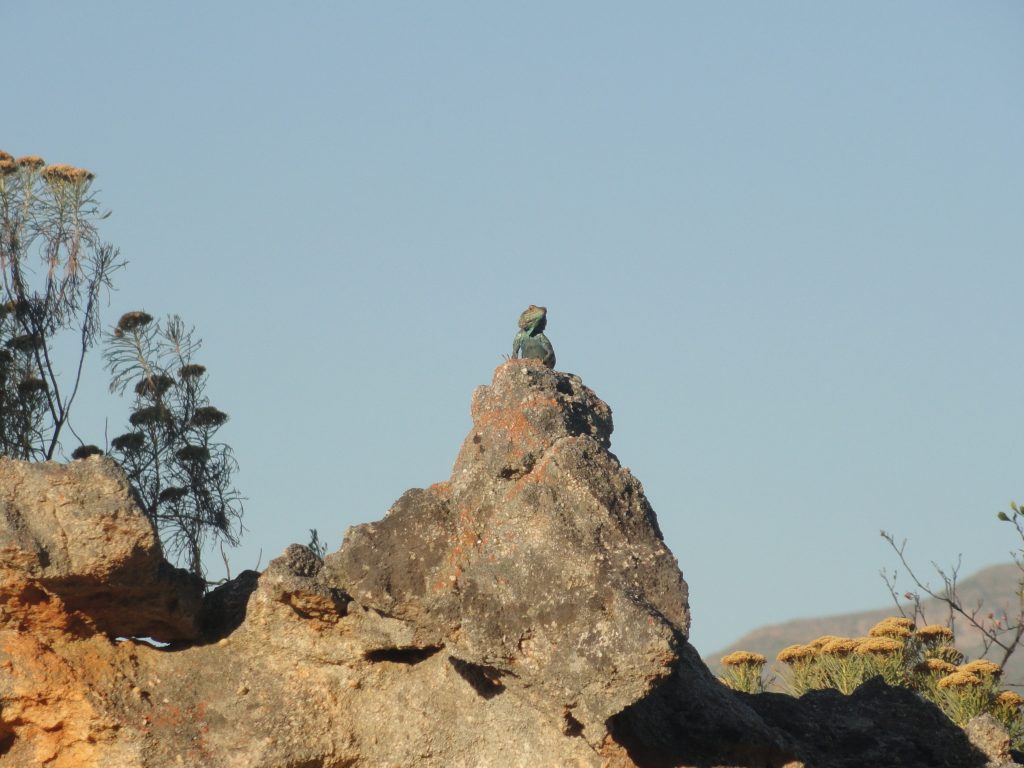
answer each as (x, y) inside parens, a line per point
(74, 534)
(539, 565)
(524, 613)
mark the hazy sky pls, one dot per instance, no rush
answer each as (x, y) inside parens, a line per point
(784, 241)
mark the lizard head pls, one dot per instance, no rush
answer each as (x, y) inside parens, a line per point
(533, 319)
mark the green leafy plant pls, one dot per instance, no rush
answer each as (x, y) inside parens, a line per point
(182, 474)
(316, 545)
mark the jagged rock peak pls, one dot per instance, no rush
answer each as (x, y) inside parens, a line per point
(520, 416)
(539, 561)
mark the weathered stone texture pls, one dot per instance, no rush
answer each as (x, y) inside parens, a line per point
(988, 735)
(540, 561)
(75, 533)
(526, 612)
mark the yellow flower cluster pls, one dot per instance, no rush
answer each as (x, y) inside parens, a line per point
(959, 679)
(831, 645)
(935, 633)
(1009, 699)
(131, 320)
(982, 667)
(936, 666)
(840, 646)
(794, 654)
(880, 645)
(822, 641)
(894, 626)
(743, 658)
(8, 165)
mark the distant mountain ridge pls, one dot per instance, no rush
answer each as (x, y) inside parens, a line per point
(994, 586)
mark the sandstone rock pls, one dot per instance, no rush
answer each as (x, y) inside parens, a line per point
(524, 613)
(988, 735)
(73, 533)
(540, 564)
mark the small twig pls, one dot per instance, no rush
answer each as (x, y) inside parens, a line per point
(224, 557)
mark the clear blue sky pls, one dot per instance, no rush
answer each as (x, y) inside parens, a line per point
(784, 241)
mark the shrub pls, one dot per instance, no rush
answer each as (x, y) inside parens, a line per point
(922, 659)
(182, 473)
(54, 268)
(743, 671)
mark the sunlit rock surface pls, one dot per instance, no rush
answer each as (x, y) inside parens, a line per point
(525, 612)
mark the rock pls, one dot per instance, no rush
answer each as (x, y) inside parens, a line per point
(876, 725)
(540, 565)
(526, 612)
(74, 534)
(988, 735)
(692, 719)
(224, 607)
(292, 579)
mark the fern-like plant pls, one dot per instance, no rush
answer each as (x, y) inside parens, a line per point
(182, 473)
(54, 268)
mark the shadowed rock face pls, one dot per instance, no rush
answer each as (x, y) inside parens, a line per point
(524, 613)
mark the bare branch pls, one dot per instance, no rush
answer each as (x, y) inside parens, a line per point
(1004, 633)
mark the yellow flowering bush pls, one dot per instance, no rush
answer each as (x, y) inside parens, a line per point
(802, 667)
(920, 658)
(982, 668)
(743, 671)
(1009, 710)
(886, 656)
(963, 695)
